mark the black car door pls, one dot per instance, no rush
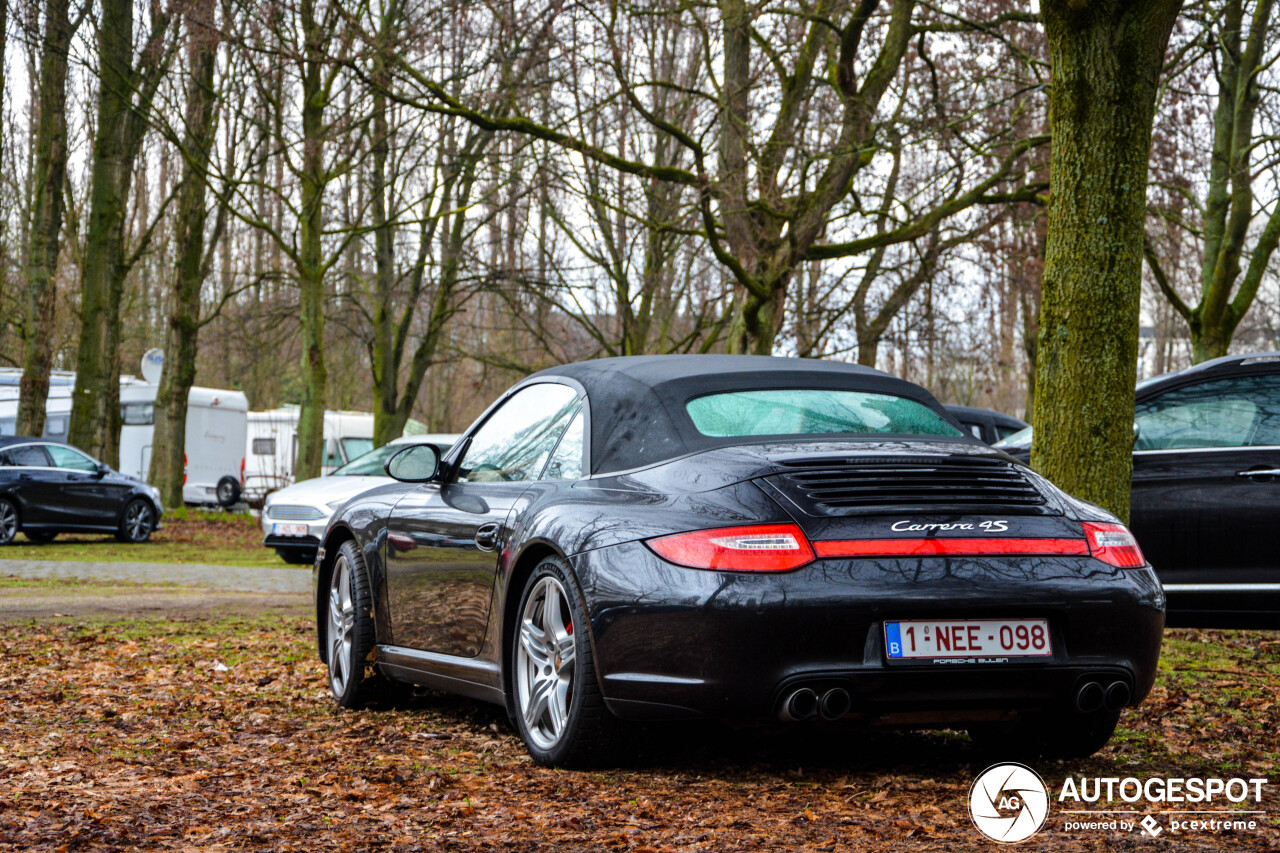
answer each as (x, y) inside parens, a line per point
(1206, 481)
(443, 538)
(32, 484)
(88, 497)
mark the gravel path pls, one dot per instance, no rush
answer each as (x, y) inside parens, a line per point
(280, 581)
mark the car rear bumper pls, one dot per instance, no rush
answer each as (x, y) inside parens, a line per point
(673, 642)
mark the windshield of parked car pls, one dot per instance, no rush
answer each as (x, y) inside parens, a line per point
(354, 448)
(1019, 440)
(805, 411)
(370, 464)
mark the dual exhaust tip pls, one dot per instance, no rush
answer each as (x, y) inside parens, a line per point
(1093, 696)
(805, 704)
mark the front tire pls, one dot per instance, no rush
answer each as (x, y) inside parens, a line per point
(9, 525)
(560, 712)
(137, 522)
(350, 637)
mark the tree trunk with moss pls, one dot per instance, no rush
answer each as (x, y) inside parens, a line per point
(44, 242)
(313, 178)
(168, 456)
(125, 92)
(1106, 59)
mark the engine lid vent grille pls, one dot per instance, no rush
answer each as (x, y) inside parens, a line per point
(943, 484)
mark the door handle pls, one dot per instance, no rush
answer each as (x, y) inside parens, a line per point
(487, 537)
(1259, 472)
(25, 477)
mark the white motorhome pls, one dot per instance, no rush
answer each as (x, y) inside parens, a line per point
(272, 447)
(217, 422)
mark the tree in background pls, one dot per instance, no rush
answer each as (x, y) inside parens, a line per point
(126, 87)
(45, 235)
(168, 455)
(1107, 56)
(1234, 253)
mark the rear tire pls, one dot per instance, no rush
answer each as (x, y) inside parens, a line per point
(1048, 735)
(41, 538)
(136, 522)
(560, 713)
(9, 525)
(350, 638)
(228, 492)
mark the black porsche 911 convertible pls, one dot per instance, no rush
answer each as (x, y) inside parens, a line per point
(668, 537)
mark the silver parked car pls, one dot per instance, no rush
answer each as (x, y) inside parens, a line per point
(294, 518)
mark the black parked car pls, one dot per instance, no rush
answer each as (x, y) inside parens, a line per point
(47, 488)
(986, 425)
(673, 537)
(1205, 502)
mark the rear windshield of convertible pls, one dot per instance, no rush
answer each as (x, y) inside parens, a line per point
(813, 412)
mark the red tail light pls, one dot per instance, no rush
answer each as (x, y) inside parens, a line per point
(1114, 545)
(185, 463)
(751, 548)
(242, 472)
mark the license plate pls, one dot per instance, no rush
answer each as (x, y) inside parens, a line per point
(967, 638)
(288, 529)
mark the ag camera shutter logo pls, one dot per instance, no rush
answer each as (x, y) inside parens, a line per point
(1008, 803)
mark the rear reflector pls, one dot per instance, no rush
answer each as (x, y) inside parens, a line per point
(751, 548)
(1114, 545)
(949, 547)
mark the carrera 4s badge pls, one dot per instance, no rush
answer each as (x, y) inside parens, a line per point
(907, 526)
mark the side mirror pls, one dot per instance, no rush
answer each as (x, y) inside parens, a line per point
(101, 470)
(1137, 431)
(417, 463)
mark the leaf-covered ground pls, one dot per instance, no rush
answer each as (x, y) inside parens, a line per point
(211, 733)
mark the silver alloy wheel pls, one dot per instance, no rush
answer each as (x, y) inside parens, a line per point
(342, 627)
(8, 522)
(137, 521)
(545, 663)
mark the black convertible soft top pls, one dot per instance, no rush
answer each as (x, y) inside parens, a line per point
(638, 414)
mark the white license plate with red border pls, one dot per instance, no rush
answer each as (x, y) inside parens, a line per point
(967, 638)
(278, 529)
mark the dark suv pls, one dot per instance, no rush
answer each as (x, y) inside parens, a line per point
(47, 488)
(1206, 487)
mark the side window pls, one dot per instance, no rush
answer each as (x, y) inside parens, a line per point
(264, 447)
(65, 457)
(138, 414)
(566, 462)
(30, 455)
(1240, 412)
(516, 440)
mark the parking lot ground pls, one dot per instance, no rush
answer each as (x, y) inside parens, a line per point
(195, 728)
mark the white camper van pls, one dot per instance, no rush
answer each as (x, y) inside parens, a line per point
(217, 421)
(57, 407)
(272, 447)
